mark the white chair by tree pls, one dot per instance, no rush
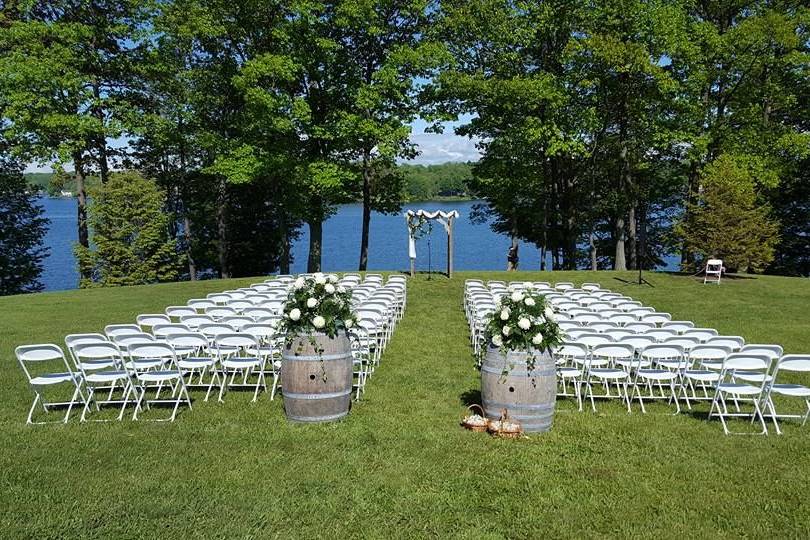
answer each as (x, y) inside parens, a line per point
(713, 272)
(45, 367)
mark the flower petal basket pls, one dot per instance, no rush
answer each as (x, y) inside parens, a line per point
(316, 363)
(505, 427)
(475, 422)
(518, 372)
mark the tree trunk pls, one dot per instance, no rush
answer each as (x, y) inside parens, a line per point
(222, 230)
(691, 198)
(81, 207)
(192, 267)
(366, 211)
(512, 255)
(592, 245)
(315, 243)
(631, 238)
(618, 261)
(101, 142)
(543, 258)
(284, 259)
(642, 237)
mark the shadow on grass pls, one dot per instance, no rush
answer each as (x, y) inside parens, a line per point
(470, 397)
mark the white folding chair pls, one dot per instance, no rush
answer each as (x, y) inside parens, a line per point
(112, 329)
(703, 371)
(270, 347)
(753, 393)
(571, 360)
(713, 272)
(148, 320)
(233, 351)
(604, 367)
(103, 369)
(794, 364)
(46, 367)
(194, 358)
(146, 354)
(175, 312)
(667, 362)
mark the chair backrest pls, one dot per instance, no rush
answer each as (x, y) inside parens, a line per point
(39, 358)
(236, 344)
(569, 351)
(614, 350)
(217, 312)
(703, 334)
(685, 342)
(657, 318)
(592, 340)
(774, 351)
(660, 334)
(175, 312)
(735, 343)
(219, 298)
(797, 363)
(603, 326)
(148, 320)
(161, 331)
(74, 339)
(213, 330)
(189, 340)
(747, 363)
(638, 341)
(678, 326)
(123, 340)
(639, 327)
(200, 303)
(150, 350)
(97, 356)
(264, 332)
(714, 265)
(713, 353)
(237, 321)
(662, 351)
(194, 321)
(113, 329)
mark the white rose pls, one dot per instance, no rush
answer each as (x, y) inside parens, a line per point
(537, 339)
(320, 279)
(341, 289)
(318, 322)
(329, 288)
(348, 323)
(506, 330)
(529, 301)
(311, 302)
(497, 341)
(524, 323)
(517, 296)
(299, 283)
(504, 314)
(332, 278)
(549, 313)
(295, 314)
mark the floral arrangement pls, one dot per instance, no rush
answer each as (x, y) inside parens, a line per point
(317, 304)
(523, 322)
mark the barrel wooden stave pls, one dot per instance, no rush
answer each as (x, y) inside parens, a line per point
(529, 398)
(307, 397)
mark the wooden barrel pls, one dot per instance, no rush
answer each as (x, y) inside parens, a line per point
(529, 397)
(307, 396)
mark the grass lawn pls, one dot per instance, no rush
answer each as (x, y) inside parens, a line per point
(400, 466)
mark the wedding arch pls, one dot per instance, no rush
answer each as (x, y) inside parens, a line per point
(416, 221)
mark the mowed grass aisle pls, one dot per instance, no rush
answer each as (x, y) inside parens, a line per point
(400, 466)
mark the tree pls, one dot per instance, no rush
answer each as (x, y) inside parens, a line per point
(22, 229)
(130, 235)
(66, 74)
(727, 222)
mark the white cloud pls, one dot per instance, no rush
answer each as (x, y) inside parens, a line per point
(443, 147)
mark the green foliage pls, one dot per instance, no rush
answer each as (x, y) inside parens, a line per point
(431, 182)
(727, 221)
(130, 235)
(22, 229)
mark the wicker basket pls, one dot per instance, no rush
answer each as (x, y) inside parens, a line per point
(480, 428)
(505, 428)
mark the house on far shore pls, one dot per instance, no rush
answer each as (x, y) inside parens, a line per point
(66, 194)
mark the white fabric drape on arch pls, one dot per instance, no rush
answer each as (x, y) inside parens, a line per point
(442, 217)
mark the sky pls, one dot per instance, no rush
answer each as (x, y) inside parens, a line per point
(434, 147)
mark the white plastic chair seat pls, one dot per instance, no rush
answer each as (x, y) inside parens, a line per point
(638, 363)
(145, 363)
(752, 376)
(608, 373)
(106, 376)
(55, 378)
(196, 362)
(569, 372)
(159, 376)
(795, 390)
(241, 363)
(738, 389)
(670, 364)
(702, 375)
(654, 374)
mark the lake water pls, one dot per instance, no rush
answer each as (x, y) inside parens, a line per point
(476, 246)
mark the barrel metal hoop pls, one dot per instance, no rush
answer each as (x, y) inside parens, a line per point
(307, 358)
(493, 371)
(516, 407)
(309, 419)
(330, 395)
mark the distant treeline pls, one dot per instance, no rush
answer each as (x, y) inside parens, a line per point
(422, 182)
